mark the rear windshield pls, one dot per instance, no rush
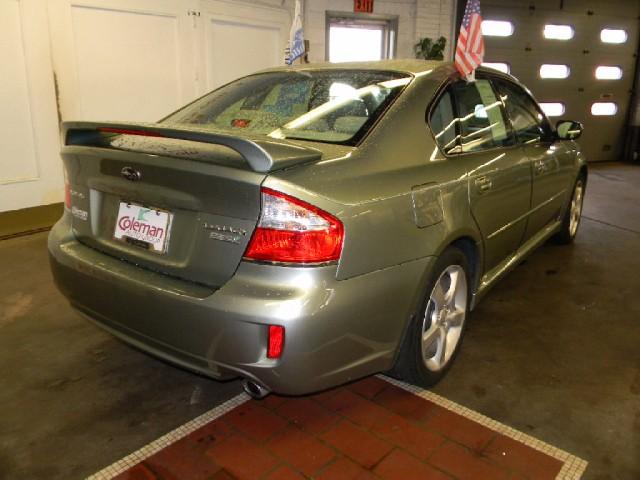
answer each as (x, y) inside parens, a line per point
(333, 106)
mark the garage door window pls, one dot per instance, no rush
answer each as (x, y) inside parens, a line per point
(500, 66)
(613, 35)
(558, 32)
(603, 109)
(497, 28)
(529, 123)
(480, 116)
(553, 109)
(549, 70)
(604, 72)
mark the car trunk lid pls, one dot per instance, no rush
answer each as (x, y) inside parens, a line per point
(198, 191)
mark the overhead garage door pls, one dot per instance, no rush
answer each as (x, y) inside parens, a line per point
(580, 53)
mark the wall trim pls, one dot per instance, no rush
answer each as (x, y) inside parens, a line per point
(29, 220)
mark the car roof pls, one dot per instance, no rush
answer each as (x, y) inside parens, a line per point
(413, 66)
(407, 65)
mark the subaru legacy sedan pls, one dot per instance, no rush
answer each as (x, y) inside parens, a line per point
(303, 227)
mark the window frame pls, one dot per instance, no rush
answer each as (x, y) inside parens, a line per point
(480, 75)
(529, 95)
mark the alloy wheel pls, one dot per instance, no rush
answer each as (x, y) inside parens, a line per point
(444, 318)
(576, 208)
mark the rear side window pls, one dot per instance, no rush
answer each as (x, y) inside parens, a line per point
(443, 124)
(529, 123)
(480, 116)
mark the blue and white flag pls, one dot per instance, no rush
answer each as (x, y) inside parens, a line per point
(296, 38)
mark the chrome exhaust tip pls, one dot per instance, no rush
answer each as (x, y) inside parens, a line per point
(254, 389)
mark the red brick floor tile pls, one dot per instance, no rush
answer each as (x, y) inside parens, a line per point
(368, 387)
(183, 460)
(399, 465)
(465, 464)
(356, 408)
(341, 469)
(141, 471)
(219, 475)
(307, 414)
(521, 458)
(301, 450)
(461, 429)
(356, 443)
(284, 473)
(212, 432)
(272, 401)
(407, 435)
(405, 403)
(242, 458)
(255, 421)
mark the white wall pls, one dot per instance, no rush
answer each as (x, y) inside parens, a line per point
(138, 60)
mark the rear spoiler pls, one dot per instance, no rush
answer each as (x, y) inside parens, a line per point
(262, 154)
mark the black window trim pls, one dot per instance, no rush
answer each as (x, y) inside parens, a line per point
(528, 94)
(482, 75)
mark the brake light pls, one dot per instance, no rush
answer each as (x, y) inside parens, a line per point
(294, 231)
(128, 131)
(276, 341)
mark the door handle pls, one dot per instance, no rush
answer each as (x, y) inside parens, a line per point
(483, 184)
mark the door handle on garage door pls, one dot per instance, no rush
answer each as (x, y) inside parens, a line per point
(483, 184)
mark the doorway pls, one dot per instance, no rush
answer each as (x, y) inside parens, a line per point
(360, 38)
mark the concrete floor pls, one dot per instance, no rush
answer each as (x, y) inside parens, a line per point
(552, 351)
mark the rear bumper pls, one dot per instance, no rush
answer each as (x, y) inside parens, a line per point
(336, 331)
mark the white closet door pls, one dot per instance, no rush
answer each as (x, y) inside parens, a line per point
(30, 170)
(240, 39)
(124, 59)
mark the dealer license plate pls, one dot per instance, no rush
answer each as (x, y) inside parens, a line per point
(142, 226)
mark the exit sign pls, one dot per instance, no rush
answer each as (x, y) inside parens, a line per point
(363, 6)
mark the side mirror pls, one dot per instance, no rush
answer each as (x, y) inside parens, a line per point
(568, 130)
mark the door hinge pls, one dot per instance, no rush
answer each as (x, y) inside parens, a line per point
(193, 14)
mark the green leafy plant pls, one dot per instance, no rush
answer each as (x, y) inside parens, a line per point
(427, 49)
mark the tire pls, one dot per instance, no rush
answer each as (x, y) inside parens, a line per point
(442, 314)
(573, 213)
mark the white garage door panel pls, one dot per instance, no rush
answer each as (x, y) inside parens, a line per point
(237, 49)
(127, 63)
(527, 49)
(18, 160)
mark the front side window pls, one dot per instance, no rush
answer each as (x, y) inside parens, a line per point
(529, 123)
(480, 116)
(332, 106)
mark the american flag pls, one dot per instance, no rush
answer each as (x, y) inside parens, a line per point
(470, 48)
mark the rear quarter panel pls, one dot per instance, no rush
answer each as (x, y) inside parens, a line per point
(388, 190)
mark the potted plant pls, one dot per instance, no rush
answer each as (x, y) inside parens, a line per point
(427, 49)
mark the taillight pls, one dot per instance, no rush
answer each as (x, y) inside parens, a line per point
(276, 341)
(67, 196)
(294, 231)
(67, 190)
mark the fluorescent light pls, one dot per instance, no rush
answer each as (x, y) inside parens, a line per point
(613, 35)
(497, 28)
(558, 32)
(604, 109)
(553, 109)
(608, 73)
(549, 70)
(500, 66)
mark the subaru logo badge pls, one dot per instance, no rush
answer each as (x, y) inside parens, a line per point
(131, 174)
